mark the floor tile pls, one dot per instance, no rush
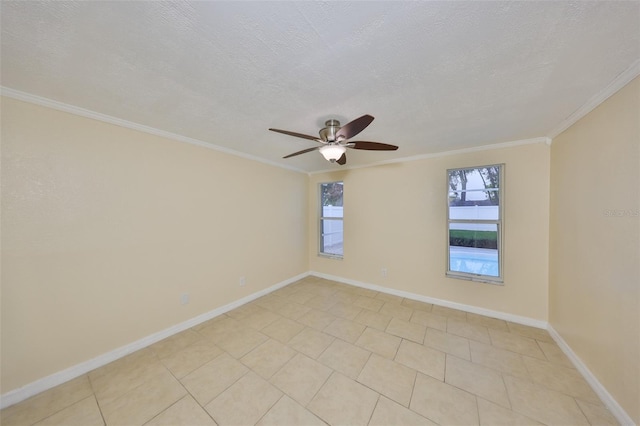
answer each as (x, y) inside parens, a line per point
(407, 330)
(260, 320)
(345, 329)
(597, 414)
(470, 331)
(342, 401)
(541, 404)
(422, 358)
(188, 359)
(293, 310)
(316, 319)
(301, 378)
(373, 319)
(443, 403)
(346, 296)
(287, 412)
(445, 342)
(221, 328)
(272, 302)
(82, 413)
(322, 287)
(389, 378)
(495, 415)
(301, 297)
(476, 379)
(384, 344)
(268, 358)
(417, 305)
(388, 412)
(208, 381)
(344, 357)
(488, 322)
(369, 303)
(449, 312)
(554, 354)
(283, 329)
(174, 343)
(47, 403)
(364, 291)
(345, 310)
(516, 343)
(141, 404)
(311, 342)
(127, 363)
(209, 322)
(245, 311)
(429, 319)
(184, 412)
(562, 379)
(391, 298)
(240, 342)
(245, 402)
(321, 303)
(499, 359)
(531, 332)
(108, 387)
(396, 310)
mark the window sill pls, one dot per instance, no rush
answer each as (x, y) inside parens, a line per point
(331, 256)
(477, 279)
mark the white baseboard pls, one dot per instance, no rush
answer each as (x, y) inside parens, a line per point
(14, 396)
(595, 384)
(446, 303)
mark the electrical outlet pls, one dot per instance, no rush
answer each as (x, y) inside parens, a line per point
(184, 298)
(383, 271)
(243, 281)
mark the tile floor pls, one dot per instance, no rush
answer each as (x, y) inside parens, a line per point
(319, 352)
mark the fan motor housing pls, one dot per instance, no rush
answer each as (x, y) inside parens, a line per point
(328, 134)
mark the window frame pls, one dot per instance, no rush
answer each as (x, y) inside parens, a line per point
(322, 218)
(489, 279)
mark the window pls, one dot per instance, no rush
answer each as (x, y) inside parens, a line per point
(474, 216)
(331, 219)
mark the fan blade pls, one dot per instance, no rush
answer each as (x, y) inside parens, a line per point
(297, 135)
(342, 160)
(354, 127)
(303, 151)
(372, 146)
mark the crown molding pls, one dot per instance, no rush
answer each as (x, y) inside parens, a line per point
(60, 106)
(618, 83)
(500, 145)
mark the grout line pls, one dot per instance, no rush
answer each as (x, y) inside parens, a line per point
(374, 408)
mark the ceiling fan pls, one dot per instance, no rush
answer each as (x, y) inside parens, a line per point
(334, 140)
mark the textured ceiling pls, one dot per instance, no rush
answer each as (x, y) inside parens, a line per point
(438, 76)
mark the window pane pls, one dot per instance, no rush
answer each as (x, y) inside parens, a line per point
(477, 178)
(480, 207)
(474, 193)
(473, 248)
(331, 237)
(331, 199)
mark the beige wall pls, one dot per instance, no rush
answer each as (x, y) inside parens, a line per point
(595, 243)
(395, 218)
(103, 228)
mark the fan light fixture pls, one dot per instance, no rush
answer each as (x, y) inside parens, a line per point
(332, 152)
